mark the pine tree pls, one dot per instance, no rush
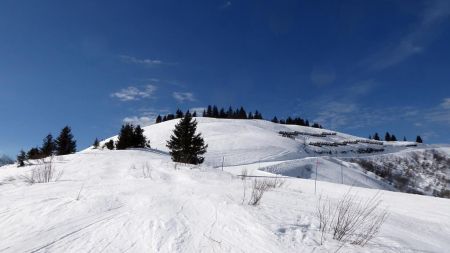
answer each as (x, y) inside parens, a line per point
(307, 123)
(393, 138)
(387, 137)
(222, 113)
(275, 120)
(194, 114)
(250, 115)
(110, 145)
(242, 114)
(258, 115)
(48, 146)
(21, 157)
(215, 112)
(316, 125)
(139, 140)
(376, 137)
(404, 138)
(370, 137)
(170, 117)
(96, 143)
(419, 139)
(158, 119)
(125, 139)
(34, 153)
(209, 112)
(230, 112)
(179, 114)
(186, 146)
(65, 144)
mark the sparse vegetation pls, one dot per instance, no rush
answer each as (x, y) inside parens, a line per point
(351, 220)
(45, 172)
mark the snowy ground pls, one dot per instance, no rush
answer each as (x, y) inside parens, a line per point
(103, 203)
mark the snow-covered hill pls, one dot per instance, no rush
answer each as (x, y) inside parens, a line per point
(250, 141)
(297, 151)
(139, 201)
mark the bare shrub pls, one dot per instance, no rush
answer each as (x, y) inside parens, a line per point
(276, 182)
(351, 220)
(259, 187)
(44, 172)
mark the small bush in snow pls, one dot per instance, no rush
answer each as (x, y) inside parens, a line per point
(351, 220)
(43, 173)
(259, 187)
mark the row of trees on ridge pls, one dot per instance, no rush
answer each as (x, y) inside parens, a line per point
(392, 137)
(63, 145)
(213, 111)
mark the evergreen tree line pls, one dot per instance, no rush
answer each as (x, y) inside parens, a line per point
(392, 137)
(129, 137)
(178, 115)
(295, 121)
(63, 145)
(185, 144)
(213, 111)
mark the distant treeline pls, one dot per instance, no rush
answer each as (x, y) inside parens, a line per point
(213, 111)
(392, 137)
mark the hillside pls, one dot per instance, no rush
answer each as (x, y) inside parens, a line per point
(297, 151)
(105, 202)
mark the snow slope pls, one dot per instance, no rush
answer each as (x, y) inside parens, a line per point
(249, 141)
(234, 143)
(103, 203)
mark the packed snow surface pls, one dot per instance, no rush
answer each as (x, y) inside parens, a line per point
(140, 201)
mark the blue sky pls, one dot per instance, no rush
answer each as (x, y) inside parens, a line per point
(354, 66)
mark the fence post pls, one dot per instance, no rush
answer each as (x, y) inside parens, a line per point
(315, 180)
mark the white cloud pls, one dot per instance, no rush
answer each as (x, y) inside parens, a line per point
(134, 60)
(181, 97)
(198, 110)
(446, 103)
(142, 121)
(225, 5)
(133, 93)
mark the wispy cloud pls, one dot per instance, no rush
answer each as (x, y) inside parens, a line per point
(446, 103)
(198, 110)
(225, 5)
(134, 93)
(145, 62)
(414, 42)
(439, 114)
(147, 116)
(182, 97)
(142, 121)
